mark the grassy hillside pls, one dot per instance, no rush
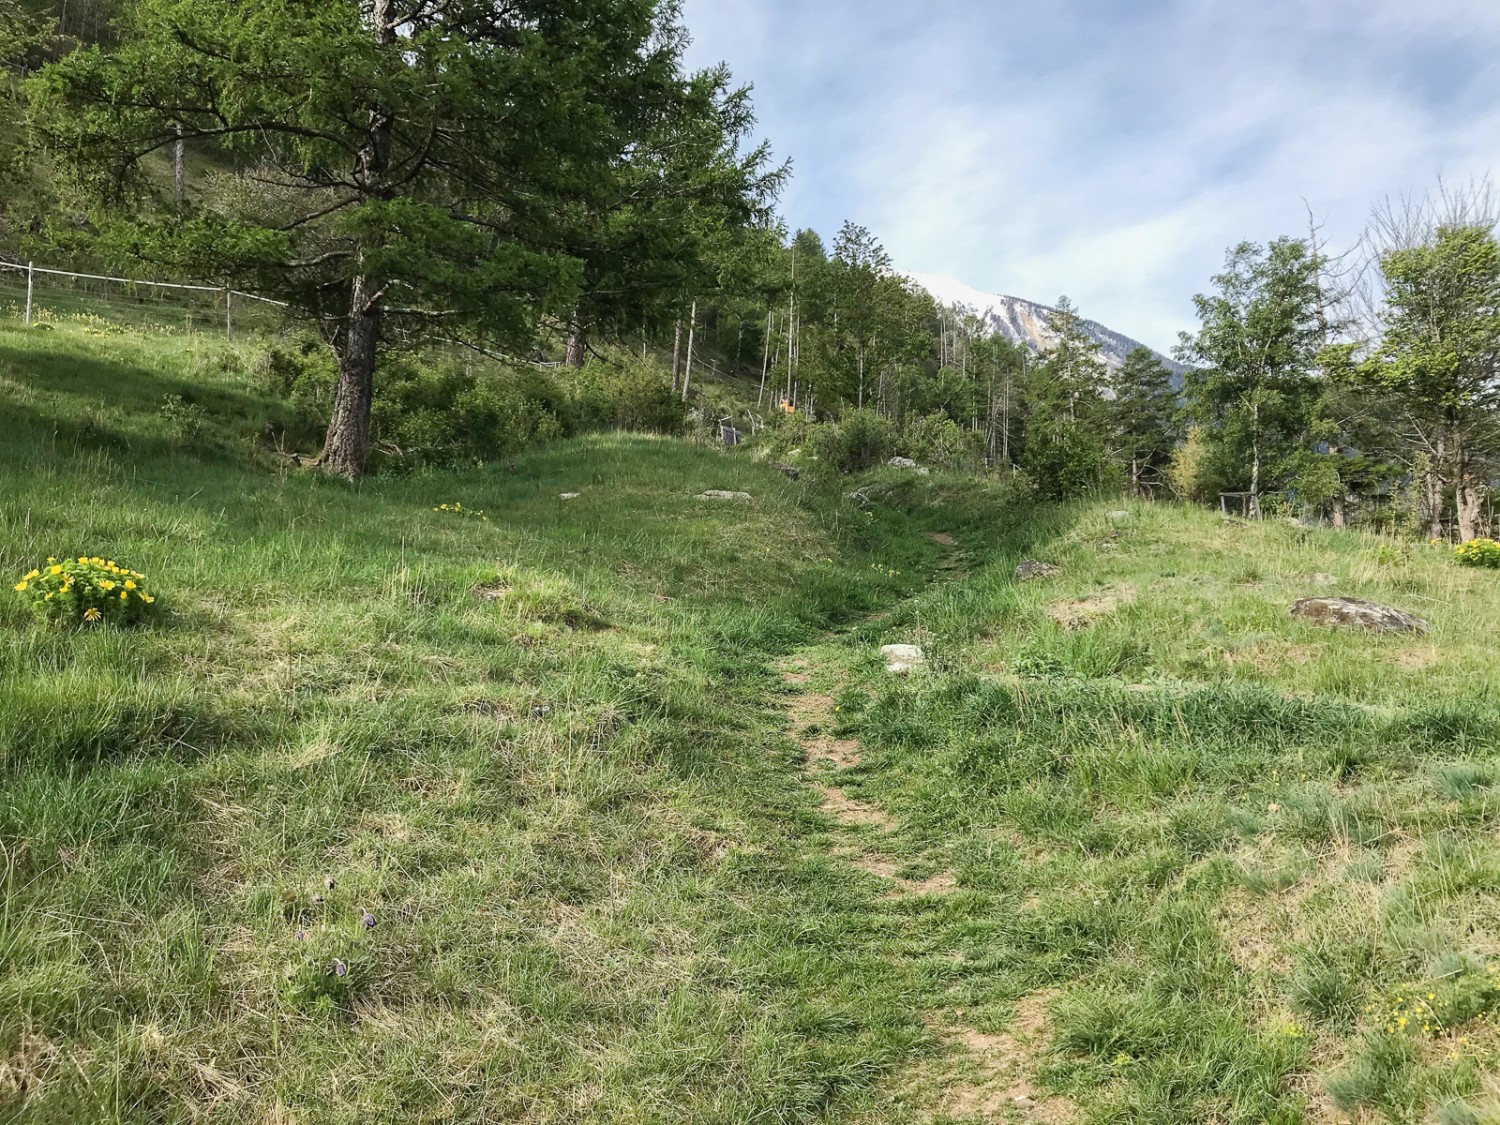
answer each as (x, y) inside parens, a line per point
(1211, 864)
(647, 833)
(543, 751)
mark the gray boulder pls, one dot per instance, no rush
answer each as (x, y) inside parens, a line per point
(1028, 569)
(1356, 613)
(901, 659)
(791, 472)
(907, 463)
(721, 494)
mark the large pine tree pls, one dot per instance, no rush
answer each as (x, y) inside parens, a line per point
(394, 169)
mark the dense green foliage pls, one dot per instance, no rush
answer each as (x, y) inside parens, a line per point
(404, 169)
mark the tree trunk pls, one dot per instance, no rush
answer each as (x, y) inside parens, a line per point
(578, 343)
(765, 364)
(1468, 493)
(348, 442)
(687, 377)
(677, 356)
(861, 348)
(357, 344)
(1432, 488)
(179, 170)
(1470, 502)
(1255, 463)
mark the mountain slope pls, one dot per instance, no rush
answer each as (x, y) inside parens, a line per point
(1026, 322)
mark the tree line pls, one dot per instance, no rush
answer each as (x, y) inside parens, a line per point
(498, 177)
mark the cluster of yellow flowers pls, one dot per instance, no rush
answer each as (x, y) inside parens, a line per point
(1470, 997)
(88, 589)
(460, 510)
(1405, 1013)
(1478, 552)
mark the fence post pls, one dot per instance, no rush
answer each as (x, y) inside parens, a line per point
(228, 314)
(29, 275)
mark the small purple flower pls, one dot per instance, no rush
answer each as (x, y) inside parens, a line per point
(368, 921)
(339, 969)
(300, 935)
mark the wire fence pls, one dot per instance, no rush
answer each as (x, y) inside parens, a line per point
(36, 295)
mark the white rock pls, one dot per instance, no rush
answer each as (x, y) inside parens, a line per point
(721, 494)
(570, 496)
(901, 659)
(906, 463)
(1117, 516)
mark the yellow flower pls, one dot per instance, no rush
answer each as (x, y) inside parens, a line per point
(129, 585)
(106, 584)
(50, 559)
(54, 570)
(21, 585)
(92, 614)
(147, 598)
(33, 574)
(83, 559)
(124, 594)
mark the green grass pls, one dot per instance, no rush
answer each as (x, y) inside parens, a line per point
(569, 803)
(1204, 855)
(1216, 842)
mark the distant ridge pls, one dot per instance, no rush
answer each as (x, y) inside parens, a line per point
(1026, 322)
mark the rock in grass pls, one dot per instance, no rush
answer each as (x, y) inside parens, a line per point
(1028, 569)
(791, 472)
(907, 463)
(901, 659)
(570, 496)
(1356, 613)
(721, 494)
(1119, 516)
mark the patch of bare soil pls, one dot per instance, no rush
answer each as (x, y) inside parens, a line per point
(999, 1087)
(1080, 613)
(943, 539)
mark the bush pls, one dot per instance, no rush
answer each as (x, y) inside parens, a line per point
(89, 591)
(1065, 461)
(861, 440)
(935, 439)
(632, 395)
(1190, 475)
(1478, 552)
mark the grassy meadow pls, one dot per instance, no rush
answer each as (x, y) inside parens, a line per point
(401, 815)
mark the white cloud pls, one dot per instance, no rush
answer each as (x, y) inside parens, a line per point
(1107, 151)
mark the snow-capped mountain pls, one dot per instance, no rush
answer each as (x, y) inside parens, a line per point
(1025, 322)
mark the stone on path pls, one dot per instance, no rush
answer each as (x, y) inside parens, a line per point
(1358, 614)
(901, 659)
(721, 494)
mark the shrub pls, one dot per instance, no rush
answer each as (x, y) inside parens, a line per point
(86, 590)
(1065, 461)
(630, 395)
(861, 440)
(1478, 552)
(935, 439)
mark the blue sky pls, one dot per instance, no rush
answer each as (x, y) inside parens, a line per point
(1108, 149)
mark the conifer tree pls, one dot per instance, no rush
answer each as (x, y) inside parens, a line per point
(1144, 415)
(394, 169)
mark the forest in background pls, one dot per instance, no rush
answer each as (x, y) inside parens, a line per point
(429, 265)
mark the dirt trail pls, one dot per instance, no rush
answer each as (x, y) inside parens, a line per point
(983, 1076)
